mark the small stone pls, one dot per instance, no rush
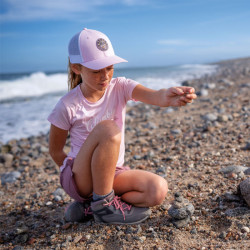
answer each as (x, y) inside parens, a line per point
(202, 92)
(238, 211)
(66, 226)
(245, 190)
(231, 197)
(223, 235)
(59, 192)
(87, 236)
(245, 230)
(233, 169)
(176, 131)
(222, 118)
(137, 157)
(10, 177)
(247, 146)
(49, 203)
(77, 238)
(210, 117)
(57, 198)
(181, 223)
(193, 231)
(142, 238)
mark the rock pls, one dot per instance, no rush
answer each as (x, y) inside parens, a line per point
(168, 110)
(222, 118)
(59, 192)
(247, 147)
(238, 211)
(245, 230)
(149, 125)
(187, 83)
(210, 117)
(223, 235)
(181, 211)
(245, 190)
(181, 223)
(10, 177)
(137, 157)
(6, 159)
(233, 169)
(231, 197)
(202, 92)
(247, 172)
(176, 131)
(210, 85)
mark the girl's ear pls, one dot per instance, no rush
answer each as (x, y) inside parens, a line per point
(76, 68)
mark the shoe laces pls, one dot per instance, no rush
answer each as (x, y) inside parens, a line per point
(118, 204)
(87, 211)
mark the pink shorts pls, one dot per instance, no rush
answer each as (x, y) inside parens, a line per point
(68, 183)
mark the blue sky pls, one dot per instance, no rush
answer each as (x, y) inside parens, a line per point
(34, 34)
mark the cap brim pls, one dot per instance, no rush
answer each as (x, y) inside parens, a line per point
(103, 62)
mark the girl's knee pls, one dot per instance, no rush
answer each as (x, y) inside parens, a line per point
(158, 191)
(108, 130)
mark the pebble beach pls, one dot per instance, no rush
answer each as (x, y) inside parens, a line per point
(202, 149)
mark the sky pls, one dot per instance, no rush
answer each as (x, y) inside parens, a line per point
(34, 34)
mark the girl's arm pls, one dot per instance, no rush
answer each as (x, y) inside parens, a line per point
(57, 140)
(175, 96)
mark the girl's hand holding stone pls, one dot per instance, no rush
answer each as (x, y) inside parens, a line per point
(179, 96)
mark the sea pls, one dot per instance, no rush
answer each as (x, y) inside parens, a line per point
(26, 99)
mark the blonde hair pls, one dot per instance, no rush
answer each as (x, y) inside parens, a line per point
(73, 78)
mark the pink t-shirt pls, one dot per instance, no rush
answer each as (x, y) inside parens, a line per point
(75, 113)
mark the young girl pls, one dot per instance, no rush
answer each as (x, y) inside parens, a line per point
(93, 112)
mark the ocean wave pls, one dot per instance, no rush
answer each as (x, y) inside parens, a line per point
(36, 84)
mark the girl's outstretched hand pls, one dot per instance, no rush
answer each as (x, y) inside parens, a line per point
(179, 96)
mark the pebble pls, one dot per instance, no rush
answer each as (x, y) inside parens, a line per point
(231, 197)
(77, 238)
(222, 118)
(10, 177)
(245, 190)
(233, 169)
(203, 92)
(6, 159)
(59, 192)
(247, 146)
(223, 235)
(181, 223)
(238, 211)
(210, 117)
(245, 230)
(176, 131)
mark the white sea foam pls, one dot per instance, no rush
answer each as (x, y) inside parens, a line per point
(37, 84)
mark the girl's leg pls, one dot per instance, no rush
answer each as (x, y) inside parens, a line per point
(95, 164)
(141, 188)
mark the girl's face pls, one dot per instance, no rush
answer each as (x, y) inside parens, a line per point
(96, 80)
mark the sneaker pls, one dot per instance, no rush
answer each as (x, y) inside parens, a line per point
(78, 212)
(112, 210)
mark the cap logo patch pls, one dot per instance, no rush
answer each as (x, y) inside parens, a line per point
(101, 44)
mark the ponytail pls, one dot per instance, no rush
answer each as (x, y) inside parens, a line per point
(73, 78)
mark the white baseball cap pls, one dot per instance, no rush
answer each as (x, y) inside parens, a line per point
(92, 49)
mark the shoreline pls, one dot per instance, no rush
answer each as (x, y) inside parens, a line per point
(189, 146)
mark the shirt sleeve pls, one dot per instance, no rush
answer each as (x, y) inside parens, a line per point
(128, 86)
(60, 116)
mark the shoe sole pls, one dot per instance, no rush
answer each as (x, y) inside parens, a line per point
(121, 223)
